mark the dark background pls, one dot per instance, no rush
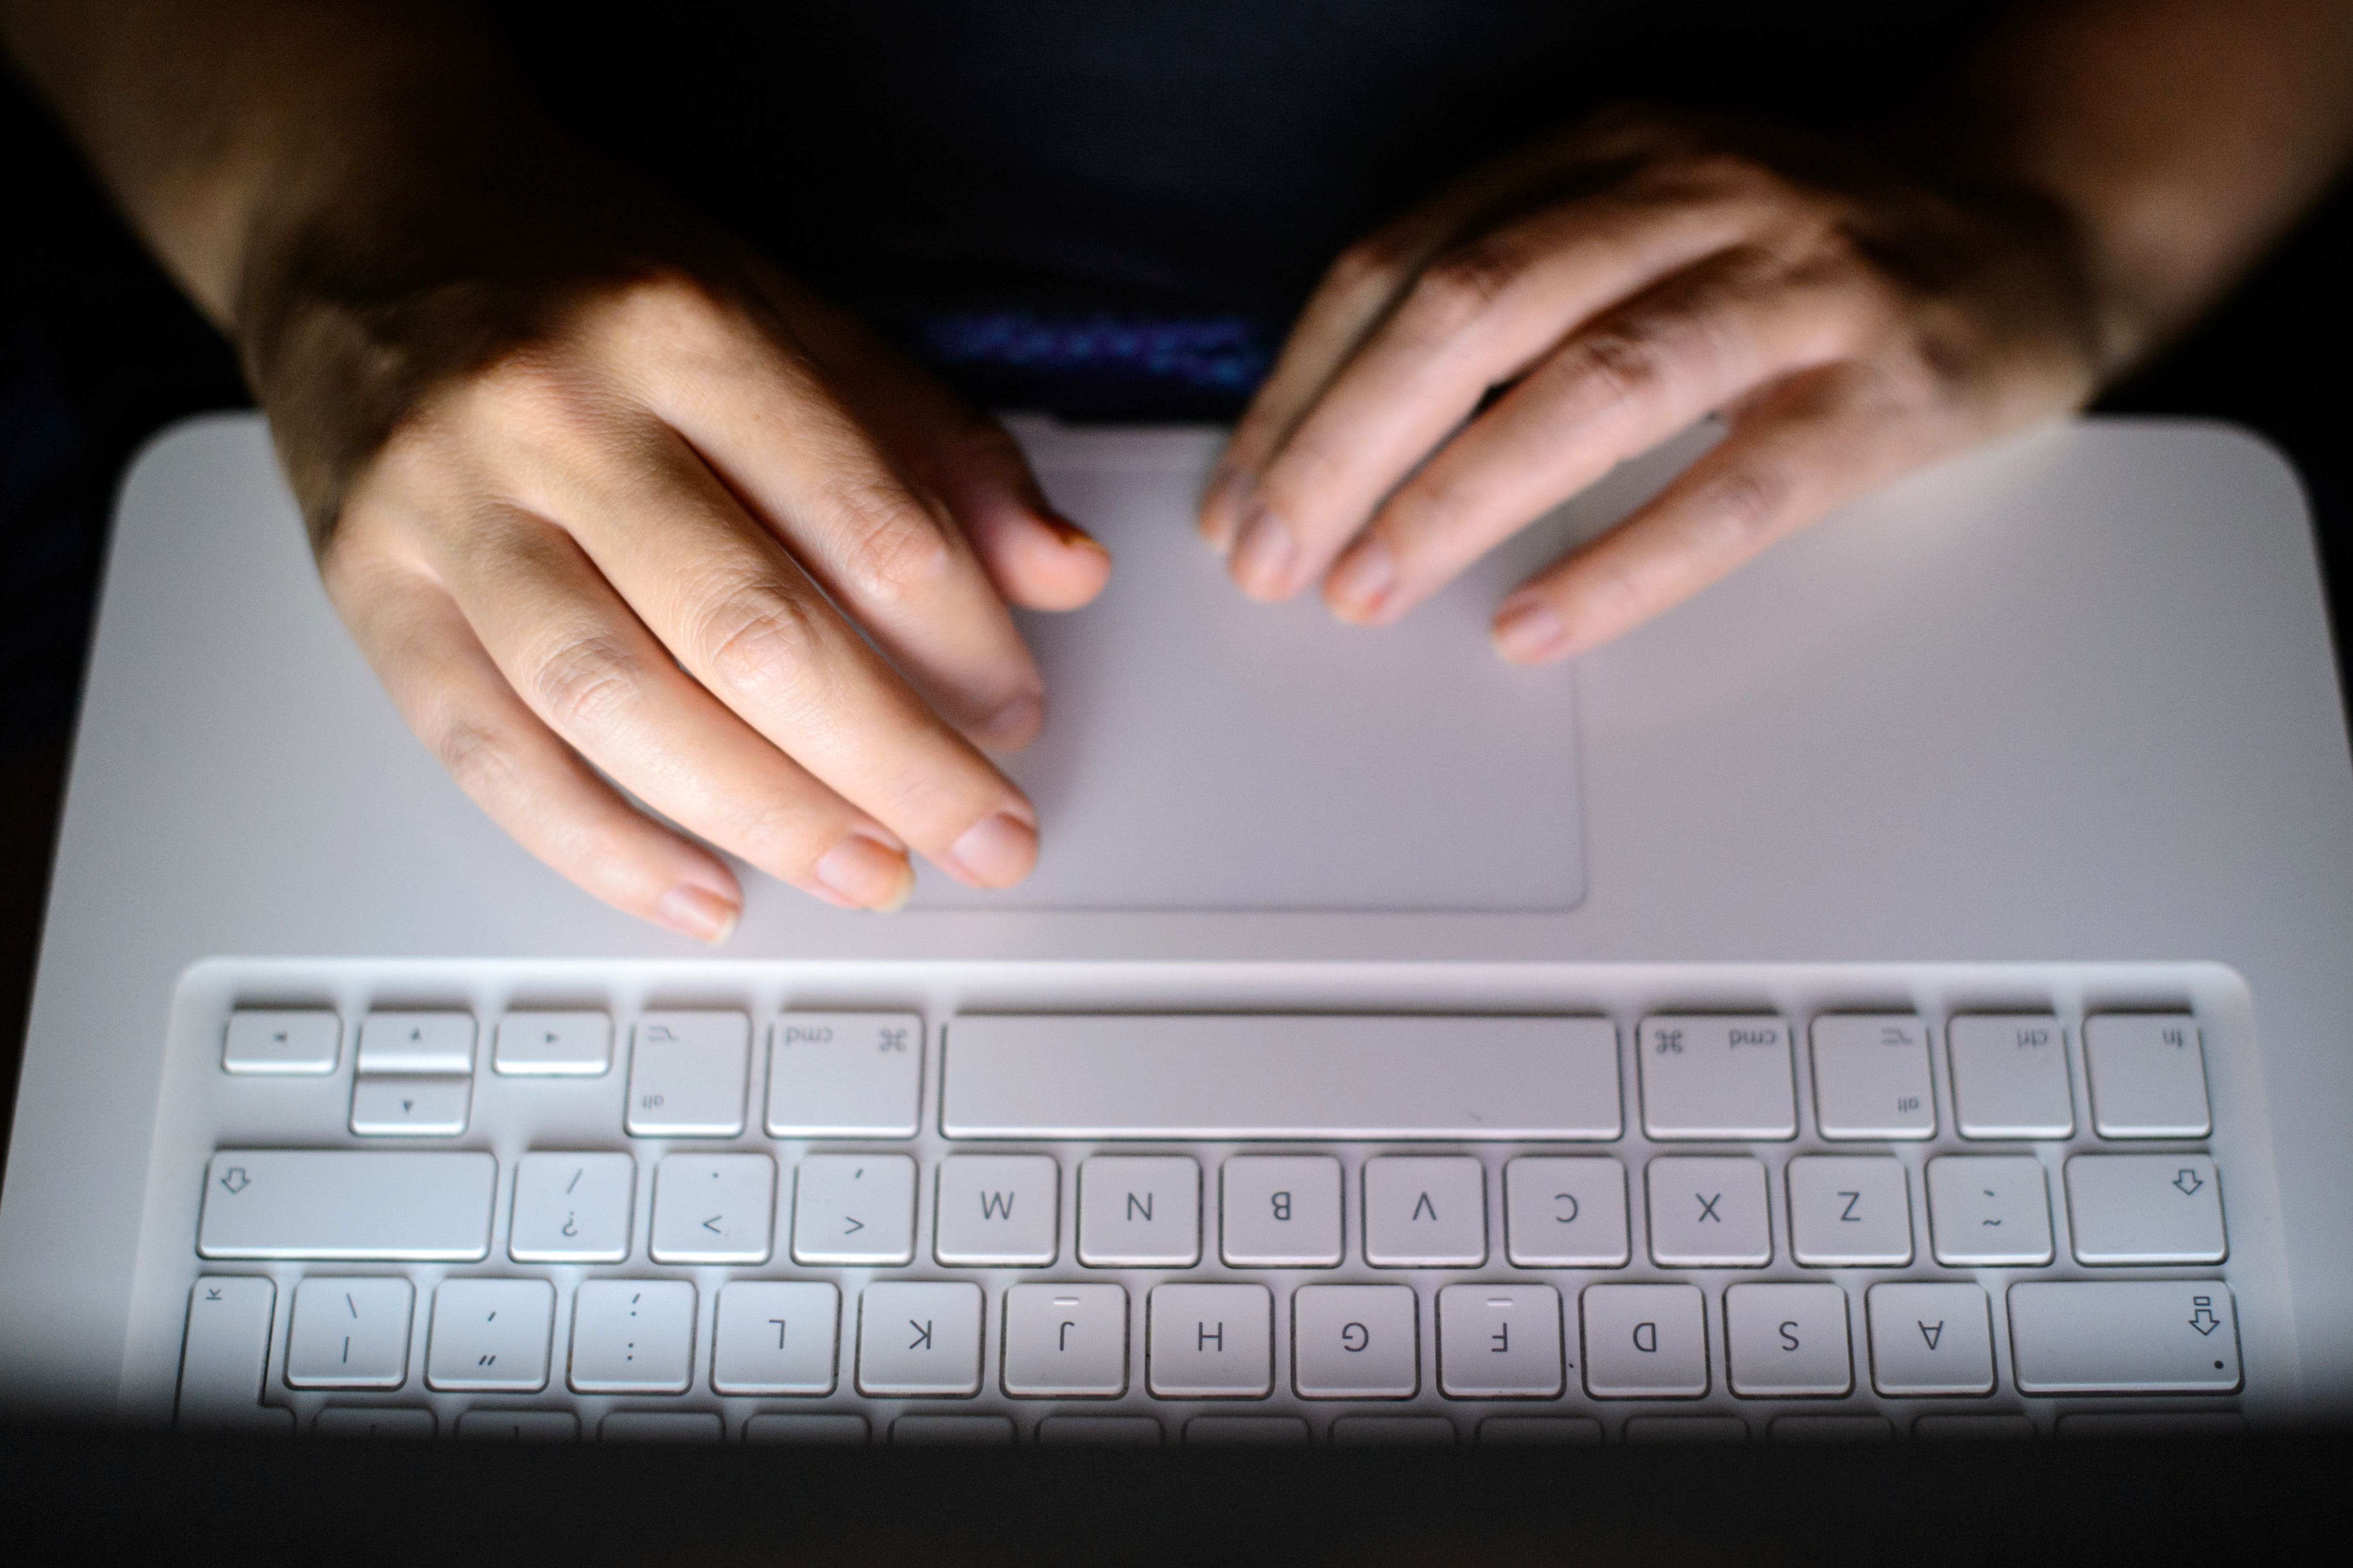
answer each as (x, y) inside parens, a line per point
(97, 353)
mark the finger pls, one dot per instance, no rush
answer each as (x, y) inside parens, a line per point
(722, 594)
(1797, 451)
(760, 414)
(529, 782)
(1359, 291)
(1638, 374)
(583, 662)
(1477, 316)
(1035, 557)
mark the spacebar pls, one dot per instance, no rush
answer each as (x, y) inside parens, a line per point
(347, 1204)
(1279, 1076)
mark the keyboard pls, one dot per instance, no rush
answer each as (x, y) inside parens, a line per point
(1017, 1203)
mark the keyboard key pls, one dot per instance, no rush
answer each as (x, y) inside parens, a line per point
(1989, 1211)
(1355, 1341)
(1499, 1341)
(1833, 1429)
(1140, 1211)
(571, 1208)
(374, 1421)
(1714, 1076)
(775, 1336)
(1279, 1076)
(1850, 1211)
(347, 1204)
(1539, 1431)
(1709, 1212)
(410, 1107)
(854, 1208)
(1247, 1431)
(1972, 1428)
(952, 1431)
(1066, 1341)
(491, 1336)
(1644, 1430)
(1565, 1212)
(713, 1208)
(1930, 1339)
(633, 1336)
(2111, 1425)
(1281, 1210)
(226, 1354)
(845, 1075)
(661, 1427)
(349, 1333)
(1645, 1341)
(1787, 1341)
(830, 1429)
(998, 1210)
(1870, 1076)
(2009, 1076)
(1393, 1432)
(687, 1073)
(553, 1045)
(305, 1042)
(2145, 1208)
(2147, 1072)
(423, 1044)
(1099, 1431)
(518, 1425)
(1425, 1211)
(1211, 1342)
(920, 1340)
(2120, 1336)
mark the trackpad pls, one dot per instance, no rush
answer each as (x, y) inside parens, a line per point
(1203, 750)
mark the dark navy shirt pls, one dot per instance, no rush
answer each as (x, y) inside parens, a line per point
(1150, 183)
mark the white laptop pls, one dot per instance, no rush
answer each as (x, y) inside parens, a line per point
(1901, 993)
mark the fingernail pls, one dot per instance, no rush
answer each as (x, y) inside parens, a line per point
(1363, 580)
(1527, 631)
(697, 913)
(1071, 533)
(1011, 724)
(1264, 554)
(1222, 503)
(997, 850)
(868, 875)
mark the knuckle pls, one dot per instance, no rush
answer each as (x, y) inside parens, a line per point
(763, 644)
(473, 753)
(1460, 286)
(894, 550)
(1373, 266)
(584, 681)
(1744, 504)
(1623, 362)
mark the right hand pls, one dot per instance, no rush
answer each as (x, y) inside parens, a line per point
(596, 492)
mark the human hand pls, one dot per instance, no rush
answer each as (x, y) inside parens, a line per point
(1852, 319)
(596, 493)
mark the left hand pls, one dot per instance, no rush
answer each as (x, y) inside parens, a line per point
(1464, 371)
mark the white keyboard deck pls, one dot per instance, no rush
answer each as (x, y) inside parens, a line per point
(963, 1202)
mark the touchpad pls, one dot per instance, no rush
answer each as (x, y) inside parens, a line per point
(1204, 750)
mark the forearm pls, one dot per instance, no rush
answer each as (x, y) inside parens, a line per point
(2180, 138)
(225, 127)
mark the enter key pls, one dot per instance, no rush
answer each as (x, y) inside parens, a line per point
(2145, 1208)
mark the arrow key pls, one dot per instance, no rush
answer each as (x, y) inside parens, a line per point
(713, 1208)
(410, 1107)
(2145, 1208)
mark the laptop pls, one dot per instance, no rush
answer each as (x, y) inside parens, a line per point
(1900, 995)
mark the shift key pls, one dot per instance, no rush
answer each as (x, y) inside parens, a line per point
(2124, 1336)
(348, 1204)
